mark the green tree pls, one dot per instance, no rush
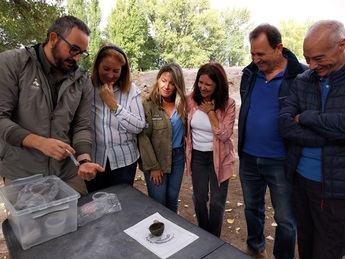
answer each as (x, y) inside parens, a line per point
(236, 24)
(293, 34)
(92, 17)
(77, 8)
(128, 28)
(190, 33)
(94, 20)
(177, 32)
(25, 22)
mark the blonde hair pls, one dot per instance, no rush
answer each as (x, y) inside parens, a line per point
(180, 95)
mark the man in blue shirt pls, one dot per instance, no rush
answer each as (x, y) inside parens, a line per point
(312, 121)
(265, 84)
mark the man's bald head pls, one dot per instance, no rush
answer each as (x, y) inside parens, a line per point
(326, 30)
(324, 46)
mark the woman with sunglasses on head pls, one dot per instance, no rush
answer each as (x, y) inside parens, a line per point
(117, 117)
(210, 152)
(161, 143)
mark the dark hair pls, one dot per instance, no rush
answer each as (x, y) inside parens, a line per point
(64, 24)
(180, 96)
(124, 80)
(217, 74)
(272, 33)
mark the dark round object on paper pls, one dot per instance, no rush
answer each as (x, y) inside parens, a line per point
(157, 228)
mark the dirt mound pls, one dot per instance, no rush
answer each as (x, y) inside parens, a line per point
(145, 80)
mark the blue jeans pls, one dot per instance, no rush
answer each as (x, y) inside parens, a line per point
(256, 174)
(168, 191)
(206, 188)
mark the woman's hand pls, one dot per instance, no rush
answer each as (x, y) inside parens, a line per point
(156, 176)
(207, 106)
(107, 95)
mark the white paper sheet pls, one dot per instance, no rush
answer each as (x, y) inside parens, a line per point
(173, 239)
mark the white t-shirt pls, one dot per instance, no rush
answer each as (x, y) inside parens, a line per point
(202, 134)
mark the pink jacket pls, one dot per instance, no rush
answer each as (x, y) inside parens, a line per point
(223, 148)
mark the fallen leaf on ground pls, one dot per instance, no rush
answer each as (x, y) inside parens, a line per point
(274, 224)
(239, 204)
(139, 178)
(230, 221)
(237, 230)
(270, 238)
(228, 210)
(186, 206)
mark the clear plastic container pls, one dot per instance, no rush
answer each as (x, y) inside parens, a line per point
(54, 216)
(102, 203)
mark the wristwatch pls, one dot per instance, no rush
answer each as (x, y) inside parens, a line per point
(83, 161)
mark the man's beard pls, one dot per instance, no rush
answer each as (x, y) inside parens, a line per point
(60, 63)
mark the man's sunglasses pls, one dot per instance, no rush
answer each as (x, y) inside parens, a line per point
(73, 49)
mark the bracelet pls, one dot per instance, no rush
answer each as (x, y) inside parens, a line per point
(83, 161)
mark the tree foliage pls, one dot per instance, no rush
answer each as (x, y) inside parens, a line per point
(151, 32)
(177, 32)
(25, 22)
(93, 20)
(128, 28)
(77, 8)
(188, 32)
(235, 23)
(89, 12)
(293, 33)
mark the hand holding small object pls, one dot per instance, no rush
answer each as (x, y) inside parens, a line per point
(75, 161)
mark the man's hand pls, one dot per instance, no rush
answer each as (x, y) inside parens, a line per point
(53, 148)
(88, 171)
(156, 176)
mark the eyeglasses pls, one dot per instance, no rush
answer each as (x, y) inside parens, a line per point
(73, 49)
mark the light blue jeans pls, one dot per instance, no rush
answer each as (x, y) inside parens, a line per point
(168, 191)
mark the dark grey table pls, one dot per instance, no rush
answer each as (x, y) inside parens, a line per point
(104, 238)
(227, 251)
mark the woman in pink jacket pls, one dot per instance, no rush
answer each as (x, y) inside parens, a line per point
(210, 152)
